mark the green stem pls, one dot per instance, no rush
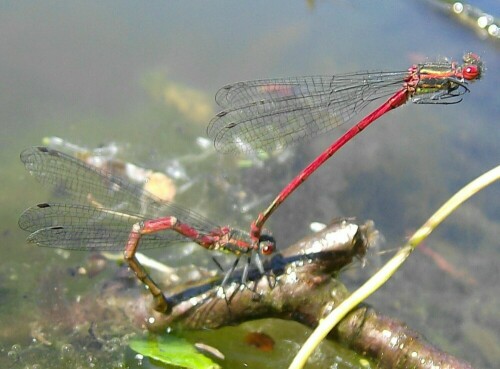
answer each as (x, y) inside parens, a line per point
(386, 272)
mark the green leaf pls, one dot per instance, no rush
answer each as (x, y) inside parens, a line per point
(172, 350)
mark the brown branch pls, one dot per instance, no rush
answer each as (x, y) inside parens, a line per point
(304, 290)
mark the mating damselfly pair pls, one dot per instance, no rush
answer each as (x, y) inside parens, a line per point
(110, 213)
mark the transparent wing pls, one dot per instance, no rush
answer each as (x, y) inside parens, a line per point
(82, 227)
(96, 188)
(271, 114)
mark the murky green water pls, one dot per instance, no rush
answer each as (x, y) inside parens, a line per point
(144, 75)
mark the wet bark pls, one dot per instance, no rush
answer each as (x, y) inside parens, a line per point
(301, 286)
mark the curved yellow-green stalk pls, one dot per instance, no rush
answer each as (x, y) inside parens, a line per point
(379, 278)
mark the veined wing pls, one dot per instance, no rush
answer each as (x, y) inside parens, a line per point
(83, 227)
(98, 188)
(271, 114)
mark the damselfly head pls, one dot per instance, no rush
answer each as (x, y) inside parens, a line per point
(267, 244)
(473, 67)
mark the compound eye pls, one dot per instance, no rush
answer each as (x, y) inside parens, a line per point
(267, 248)
(471, 72)
(267, 245)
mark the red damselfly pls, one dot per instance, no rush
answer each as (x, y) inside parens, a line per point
(111, 213)
(273, 113)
